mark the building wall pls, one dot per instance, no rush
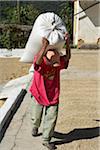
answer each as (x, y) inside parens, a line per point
(88, 25)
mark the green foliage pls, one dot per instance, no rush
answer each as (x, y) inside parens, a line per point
(11, 36)
(66, 15)
(28, 14)
(5, 38)
(25, 14)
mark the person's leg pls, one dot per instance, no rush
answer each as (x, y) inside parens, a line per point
(37, 111)
(50, 118)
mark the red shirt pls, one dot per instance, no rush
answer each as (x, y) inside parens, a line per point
(46, 91)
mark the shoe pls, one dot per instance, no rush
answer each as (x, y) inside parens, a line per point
(35, 132)
(50, 146)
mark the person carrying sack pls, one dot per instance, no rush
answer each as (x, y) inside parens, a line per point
(45, 89)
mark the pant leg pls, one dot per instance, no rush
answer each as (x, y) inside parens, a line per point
(37, 111)
(50, 118)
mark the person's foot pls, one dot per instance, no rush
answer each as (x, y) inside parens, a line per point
(35, 132)
(50, 146)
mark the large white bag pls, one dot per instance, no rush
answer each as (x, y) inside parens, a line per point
(50, 26)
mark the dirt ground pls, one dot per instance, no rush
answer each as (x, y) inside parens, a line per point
(11, 68)
(79, 115)
(78, 124)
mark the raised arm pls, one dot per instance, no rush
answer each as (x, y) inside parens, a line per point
(42, 52)
(68, 50)
(67, 56)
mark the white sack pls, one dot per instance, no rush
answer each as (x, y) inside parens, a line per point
(50, 26)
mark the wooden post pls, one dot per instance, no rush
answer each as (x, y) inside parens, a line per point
(18, 11)
(76, 23)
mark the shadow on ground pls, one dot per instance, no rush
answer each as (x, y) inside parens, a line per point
(76, 134)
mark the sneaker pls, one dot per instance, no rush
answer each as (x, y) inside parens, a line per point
(50, 146)
(35, 131)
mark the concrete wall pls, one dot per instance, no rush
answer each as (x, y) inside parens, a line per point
(88, 24)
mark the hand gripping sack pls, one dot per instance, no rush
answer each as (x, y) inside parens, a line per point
(50, 26)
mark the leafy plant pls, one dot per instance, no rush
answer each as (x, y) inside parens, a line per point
(12, 36)
(66, 15)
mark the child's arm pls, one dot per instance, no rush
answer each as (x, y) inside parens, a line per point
(42, 51)
(68, 50)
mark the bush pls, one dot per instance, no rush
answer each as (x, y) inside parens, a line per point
(13, 37)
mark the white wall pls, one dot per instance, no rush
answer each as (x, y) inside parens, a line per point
(88, 31)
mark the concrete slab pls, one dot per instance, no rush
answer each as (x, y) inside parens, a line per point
(7, 110)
